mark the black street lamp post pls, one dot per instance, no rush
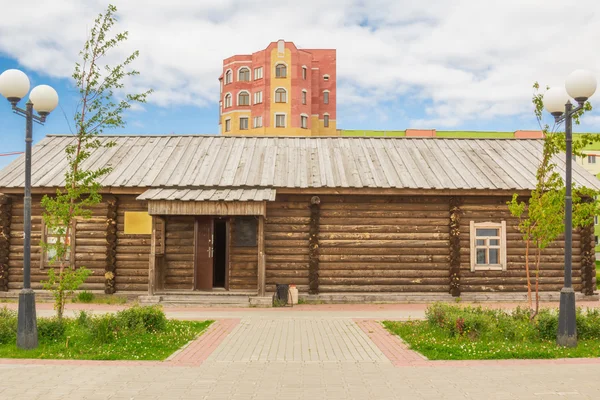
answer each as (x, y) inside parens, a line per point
(580, 85)
(14, 85)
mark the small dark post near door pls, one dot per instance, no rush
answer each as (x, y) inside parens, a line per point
(204, 253)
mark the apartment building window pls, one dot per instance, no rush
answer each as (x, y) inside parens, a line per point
(304, 73)
(326, 121)
(243, 99)
(326, 97)
(244, 74)
(304, 96)
(228, 100)
(325, 77)
(591, 159)
(303, 121)
(228, 77)
(280, 95)
(258, 97)
(279, 120)
(258, 73)
(227, 125)
(243, 123)
(488, 246)
(258, 122)
(280, 71)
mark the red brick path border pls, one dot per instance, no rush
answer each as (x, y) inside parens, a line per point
(401, 356)
(200, 349)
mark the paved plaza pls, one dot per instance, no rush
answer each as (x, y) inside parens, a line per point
(312, 352)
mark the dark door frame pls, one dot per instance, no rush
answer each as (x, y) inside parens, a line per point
(209, 259)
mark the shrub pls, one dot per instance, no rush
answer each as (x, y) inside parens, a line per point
(51, 329)
(148, 319)
(8, 326)
(84, 297)
(588, 324)
(104, 328)
(83, 319)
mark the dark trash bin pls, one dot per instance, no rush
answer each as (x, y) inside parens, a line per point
(281, 293)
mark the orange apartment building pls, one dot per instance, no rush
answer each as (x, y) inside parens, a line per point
(279, 91)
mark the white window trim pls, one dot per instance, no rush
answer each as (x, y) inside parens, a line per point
(275, 95)
(472, 238)
(590, 158)
(304, 96)
(249, 74)
(304, 68)
(257, 118)
(285, 120)
(287, 70)
(225, 125)
(258, 94)
(247, 123)
(249, 98)
(225, 100)
(225, 76)
(326, 77)
(304, 116)
(261, 73)
(328, 96)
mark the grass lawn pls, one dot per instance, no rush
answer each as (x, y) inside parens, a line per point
(457, 333)
(107, 337)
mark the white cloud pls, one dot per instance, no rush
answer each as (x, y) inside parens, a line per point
(462, 60)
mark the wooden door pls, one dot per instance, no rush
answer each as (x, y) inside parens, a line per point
(203, 259)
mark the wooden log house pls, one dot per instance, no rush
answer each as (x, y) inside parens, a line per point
(183, 213)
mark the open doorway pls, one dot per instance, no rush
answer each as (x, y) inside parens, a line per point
(220, 254)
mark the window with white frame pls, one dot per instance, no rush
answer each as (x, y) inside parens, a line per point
(280, 71)
(325, 77)
(258, 97)
(279, 120)
(303, 121)
(591, 159)
(258, 122)
(280, 95)
(243, 123)
(304, 93)
(244, 74)
(326, 120)
(227, 101)
(227, 125)
(326, 97)
(304, 73)
(228, 77)
(258, 73)
(243, 99)
(488, 246)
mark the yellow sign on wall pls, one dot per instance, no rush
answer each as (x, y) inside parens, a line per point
(138, 223)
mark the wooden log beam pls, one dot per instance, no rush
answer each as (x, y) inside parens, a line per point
(5, 221)
(313, 246)
(111, 245)
(588, 260)
(261, 256)
(454, 244)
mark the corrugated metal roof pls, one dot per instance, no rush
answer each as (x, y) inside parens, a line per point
(200, 161)
(225, 194)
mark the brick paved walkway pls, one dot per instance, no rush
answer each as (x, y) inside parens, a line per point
(299, 356)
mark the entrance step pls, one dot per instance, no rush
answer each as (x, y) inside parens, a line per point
(208, 299)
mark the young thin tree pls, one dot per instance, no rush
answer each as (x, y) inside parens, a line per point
(541, 219)
(98, 109)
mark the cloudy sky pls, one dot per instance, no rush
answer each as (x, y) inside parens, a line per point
(449, 65)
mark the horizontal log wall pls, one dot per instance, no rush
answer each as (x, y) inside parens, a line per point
(384, 244)
(90, 246)
(243, 263)
(490, 209)
(133, 251)
(179, 253)
(287, 241)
